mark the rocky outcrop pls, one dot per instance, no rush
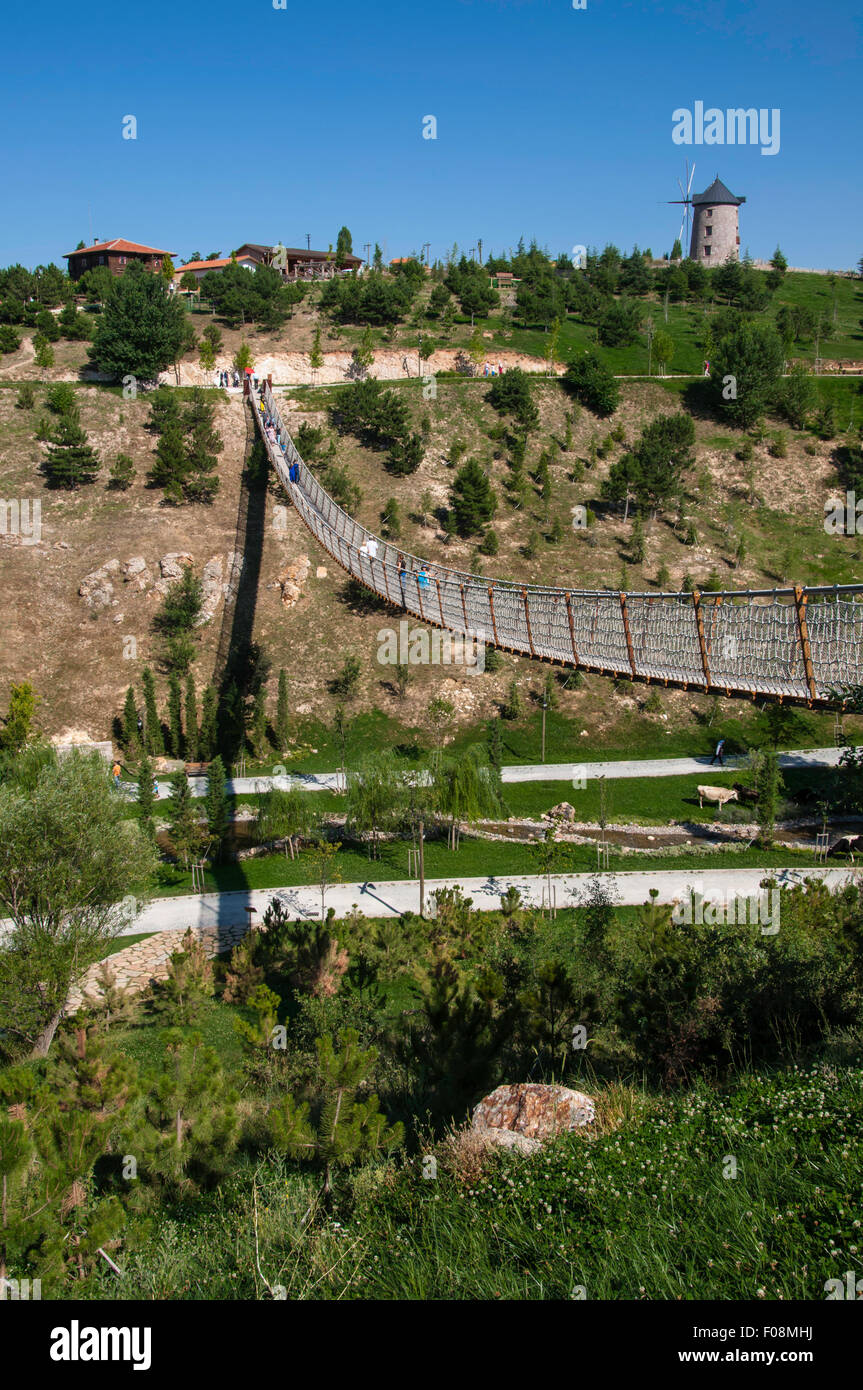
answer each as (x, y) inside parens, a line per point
(530, 1111)
(563, 811)
(212, 589)
(97, 587)
(137, 574)
(171, 567)
(292, 579)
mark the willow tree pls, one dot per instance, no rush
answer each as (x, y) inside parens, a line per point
(374, 792)
(282, 816)
(467, 788)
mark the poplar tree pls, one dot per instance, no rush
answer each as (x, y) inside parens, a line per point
(209, 736)
(191, 719)
(153, 741)
(175, 716)
(282, 713)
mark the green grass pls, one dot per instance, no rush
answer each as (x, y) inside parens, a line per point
(474, 859)
(644, 1209)
(119, 943)
(632, 736)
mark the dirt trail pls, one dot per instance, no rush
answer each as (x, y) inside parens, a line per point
(292, 368)
(16, 360)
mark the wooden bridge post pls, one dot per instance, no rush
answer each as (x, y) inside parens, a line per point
(628, 635)
(491, 609)
(571, 627)
(527, 620)
(800, 603)
(699, 623)
(439, 600)
(463, 608)
(385, 567)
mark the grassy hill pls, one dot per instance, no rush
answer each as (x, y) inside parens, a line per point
(752, 515)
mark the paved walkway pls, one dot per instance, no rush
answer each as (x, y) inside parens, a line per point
(527, 772)
(391, 899)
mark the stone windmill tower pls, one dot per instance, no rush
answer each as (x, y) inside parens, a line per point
(715, 233)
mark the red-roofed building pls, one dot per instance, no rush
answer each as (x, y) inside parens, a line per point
(116, 255)
(201, 268)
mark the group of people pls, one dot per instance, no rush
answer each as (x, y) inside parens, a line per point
(227, 379)
(489, 369)
(423, 577)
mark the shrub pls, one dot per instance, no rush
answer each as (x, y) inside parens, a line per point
(779, 445)
(346, 683)
(122, 473)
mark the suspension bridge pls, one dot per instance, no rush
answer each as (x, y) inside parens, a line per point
(796, 644)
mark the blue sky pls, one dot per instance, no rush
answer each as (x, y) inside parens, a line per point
(257, 124)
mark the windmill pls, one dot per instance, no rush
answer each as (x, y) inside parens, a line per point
(686, 200)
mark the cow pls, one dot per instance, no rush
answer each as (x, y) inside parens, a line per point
(717, 795)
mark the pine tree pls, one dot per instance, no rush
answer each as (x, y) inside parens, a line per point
(282, 713)
(191, 717)
(72, 1118)
(216, 800)
(472, 499)
(131, 742)
(70, 460)
(146, 795)
(175, 716)
(190, 1117)
(346, 1130)
(122, 473)
(189, 983)
(209, 735)
(316, 356)
(153, 741)
(171, 465)
(260, 740)
(203, 447)
(186, 836)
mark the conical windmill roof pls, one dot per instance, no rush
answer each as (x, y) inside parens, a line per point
(717, 193)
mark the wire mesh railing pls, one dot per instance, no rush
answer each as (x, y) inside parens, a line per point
(796, 643)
